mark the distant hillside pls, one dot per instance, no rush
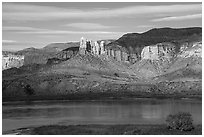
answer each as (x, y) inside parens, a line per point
(60, 46)
(134, 42)
(40, 56)
(107, 41)
(7, 52)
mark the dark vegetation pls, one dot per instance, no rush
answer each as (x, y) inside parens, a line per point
(178, 124)
(98, 96)
(108, 130)
(28, 90)
(116, 74)
(182, 121)
(86, 73)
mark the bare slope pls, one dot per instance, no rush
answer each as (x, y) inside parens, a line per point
(187, 66)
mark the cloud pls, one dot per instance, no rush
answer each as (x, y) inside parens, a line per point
(145, 26)
(33, 30)
(9, 41)
(29, 12)
(20, 28)
(178, 18)
(88, 26)
(66, 32)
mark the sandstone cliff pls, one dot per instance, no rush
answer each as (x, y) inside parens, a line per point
(135, 42)
(158, 51)
(163, 58)
(12, 60)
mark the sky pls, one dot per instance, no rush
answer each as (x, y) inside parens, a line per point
(35, 24)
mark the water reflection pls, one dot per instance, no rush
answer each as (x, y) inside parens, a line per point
(141, 111)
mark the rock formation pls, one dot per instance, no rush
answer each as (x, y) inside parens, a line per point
(166, 64)
(102, 48)
(82, 48)
(155, 52)
(135, 42)
(99, 48)
(92, 47)
(10, 61)
(168, 58)
(195, 50)
(119, 55)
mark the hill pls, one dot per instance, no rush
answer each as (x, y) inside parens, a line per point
(55, 47)
(40, 56)
(170, 68)
(187, 66)
(135, 42)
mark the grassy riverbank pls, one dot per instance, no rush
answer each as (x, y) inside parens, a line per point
(100, 96)
(104, 130)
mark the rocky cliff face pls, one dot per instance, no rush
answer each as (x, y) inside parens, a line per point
(163, 58)
(195, 50)
(12, 60)
(161, 50)
(135, 42)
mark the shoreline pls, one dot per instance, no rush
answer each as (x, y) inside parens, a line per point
(101, 129)
(97, 97)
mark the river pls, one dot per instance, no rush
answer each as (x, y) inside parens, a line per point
(137, 111)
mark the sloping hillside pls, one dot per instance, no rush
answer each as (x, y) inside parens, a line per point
(93, 63)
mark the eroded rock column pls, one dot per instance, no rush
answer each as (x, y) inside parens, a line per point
(82, 48)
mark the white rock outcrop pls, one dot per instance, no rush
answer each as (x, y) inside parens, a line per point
(97, 48)
(195, 50)
(10, 61)
(82, 47)
(102, 48)
(92, 47)
(155, 52)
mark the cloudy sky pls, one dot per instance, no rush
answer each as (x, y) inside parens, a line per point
(38, 24)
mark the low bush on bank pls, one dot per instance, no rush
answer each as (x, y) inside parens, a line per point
(181, 121)
(116, 74)
(86, 73)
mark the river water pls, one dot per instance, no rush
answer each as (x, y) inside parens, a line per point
(137, 111)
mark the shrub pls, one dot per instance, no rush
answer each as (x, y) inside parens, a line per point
(116, 74)
(180, 121)
(133, 132)
(28, 90)
(86, 73)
